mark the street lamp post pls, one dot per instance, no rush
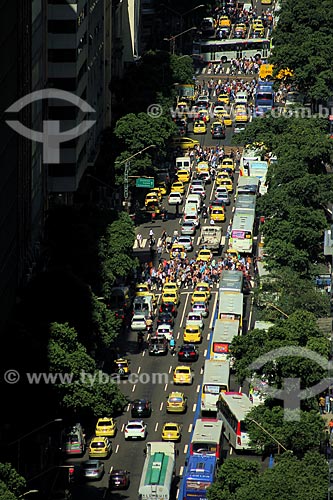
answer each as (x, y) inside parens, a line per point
(18, 441)
(127, 169)
(181, 16)
(270, 435)
(172, 39)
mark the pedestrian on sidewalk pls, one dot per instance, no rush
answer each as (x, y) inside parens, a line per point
(139, 239)
(330, 425)
(321, 404)
(327, 403)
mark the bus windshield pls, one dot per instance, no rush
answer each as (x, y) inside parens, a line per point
(204, 448)
(214, 389)
(192, 484)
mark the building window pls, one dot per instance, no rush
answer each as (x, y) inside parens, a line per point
(62, 55)
(62, 26)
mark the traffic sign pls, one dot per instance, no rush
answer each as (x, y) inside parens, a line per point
(145, 182)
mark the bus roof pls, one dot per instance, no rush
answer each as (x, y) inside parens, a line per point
(216, 371)
(243, 221)
(231, 281)
(233, 41)
(247, 184)
(238, 403)
(225, 330)
(230, 303)
(207, 430)
(200, 466)
(157, 469)
(245, 202)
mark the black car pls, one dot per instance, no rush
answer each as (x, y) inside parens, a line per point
(119, 479)
(158, 346)
(218, 132)
(141, 408)
(169, 307)
(188, 352)
(165, 318)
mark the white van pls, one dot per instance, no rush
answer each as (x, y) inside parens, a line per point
(196, 200)
(183, 162)
(241, 98)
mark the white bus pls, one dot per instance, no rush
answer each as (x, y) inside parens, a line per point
(231, 307)
(242, 229)
(231, 281)
(245, 203)
(158, 471)
(225, 330)
(215, 380)
(216, 51)
(207, 438)
(248, 185)
(232, 409)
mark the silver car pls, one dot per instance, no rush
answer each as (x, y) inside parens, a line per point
(187, 242)
(188, 228)
(92, 469)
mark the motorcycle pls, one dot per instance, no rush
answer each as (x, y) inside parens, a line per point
(172, 350)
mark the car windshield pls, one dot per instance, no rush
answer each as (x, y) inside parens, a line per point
(134, 426)
(170, 428)
(106, 422)
(182, 370)
(175, 400)
(99, 444)
(90, 465)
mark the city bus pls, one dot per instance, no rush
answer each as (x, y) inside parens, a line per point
(242, 229)
(158, 471)
(245, 203)
(232, 409)
(207, 438)
(216, 51)
(231, 281)
(231, 307)
(199, 475)
(248, 185)
(225, 330)
(216, 378)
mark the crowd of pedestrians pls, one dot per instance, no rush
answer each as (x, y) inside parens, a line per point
(230, 86)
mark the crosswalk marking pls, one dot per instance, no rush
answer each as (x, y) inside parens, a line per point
(143, 243)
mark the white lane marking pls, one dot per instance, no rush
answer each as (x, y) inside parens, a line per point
(212, 190)
(213, 309)
(117, 448)
(122, 428)
(177, 494)
(190, 427)
(184, 312)
(230, 451)
(240, 389)
(139, 369)
(194, 407)
(143, 353)
(134, 386)
(250, 315)
(201, 370)
(148, 336)
(161, 406)
(185, 449)
(165, 387)
(128, 407)
(111, 469)
(198, 241)
(156, 426)
(198, 388)
(178, 335)
(181, 470)
(205, 353)
(208, 336)
(170, 369)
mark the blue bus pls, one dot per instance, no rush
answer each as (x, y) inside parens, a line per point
(199, 475)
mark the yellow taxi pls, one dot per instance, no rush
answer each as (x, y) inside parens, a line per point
(192, 334)
(224, 22)
(222, 174)
(233, 254)
(217, 214)
(205, 255)
(176, 402)
(257, 23)
(203, 287)
(240, 27)
(199, 127)
(181, 109)
(204, 115)
(225, 182)
(171, 432)
(178, 187)
(177, 250)
(171, 286)
(202, 166)
(228, 163)
(198, 296)
(224, 97)
(241, 114)
(151, 198)
(183, 375)
(258, 33)
(122, 368)
(183, 175)
(106, 426)
(184, 143)
(225, 116)
(171, 296)
(142, 290)
(163, 188)
(100, 447)
(158, 192)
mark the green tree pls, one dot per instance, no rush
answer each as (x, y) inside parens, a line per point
(181, 69)
(233, 473)
(105, 325)
(297, 436)
(11, 483)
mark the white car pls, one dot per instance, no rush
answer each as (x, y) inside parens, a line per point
(205, 176)
(195, 318)
(221, 189)
(175, 198)
(199, 190)
(187, 241)
(192, 217)
(138, 323)
(165, 330)
(218, 109)
(195, 183)
(135, 429)
(200, 307)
